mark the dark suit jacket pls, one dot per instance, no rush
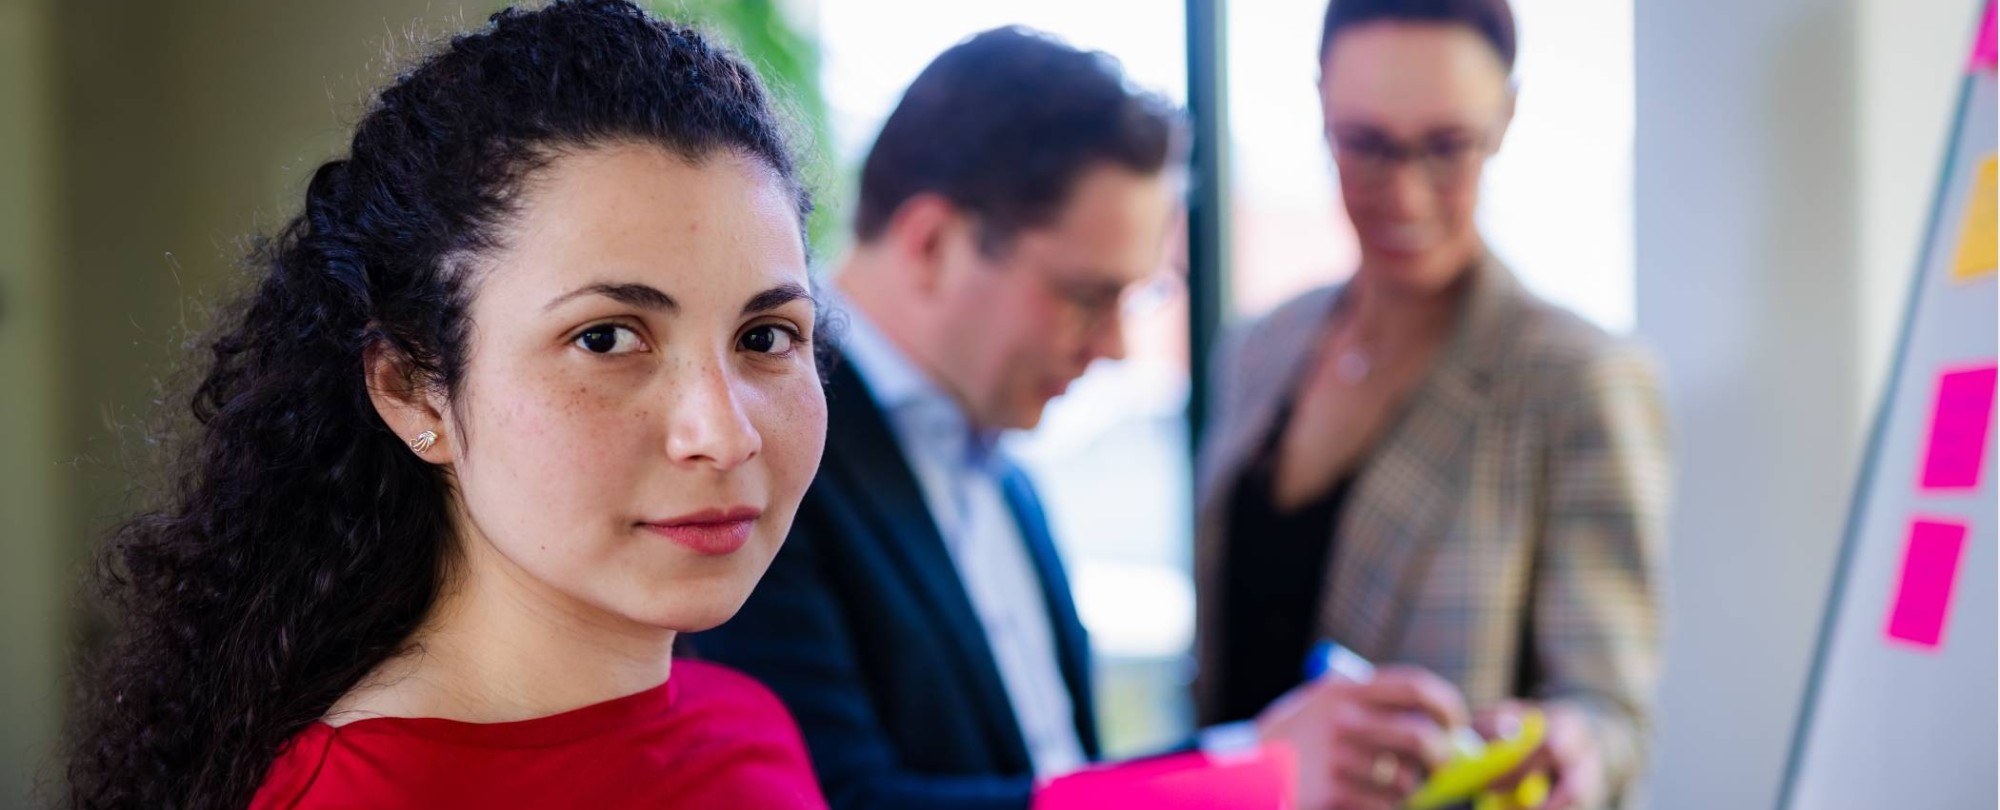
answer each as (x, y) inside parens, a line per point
(865, 631)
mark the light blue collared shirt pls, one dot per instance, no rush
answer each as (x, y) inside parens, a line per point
(955, 467)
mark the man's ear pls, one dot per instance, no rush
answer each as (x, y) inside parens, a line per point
(920, 232)
(410, 405)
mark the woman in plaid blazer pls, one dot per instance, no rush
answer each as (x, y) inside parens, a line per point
(1428, 464)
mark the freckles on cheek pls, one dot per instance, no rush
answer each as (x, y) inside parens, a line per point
(526, 418)
(795, 435)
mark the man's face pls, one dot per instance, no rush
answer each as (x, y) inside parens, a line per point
(1018, 327)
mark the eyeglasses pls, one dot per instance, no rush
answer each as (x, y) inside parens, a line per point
(1448, 160)
(1095, 303)
(1090, 302)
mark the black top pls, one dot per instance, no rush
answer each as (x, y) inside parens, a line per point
(1273, 578)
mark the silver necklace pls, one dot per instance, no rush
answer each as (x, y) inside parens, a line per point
(1352, 365)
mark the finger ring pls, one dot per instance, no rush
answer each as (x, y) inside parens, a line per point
(1385, 769)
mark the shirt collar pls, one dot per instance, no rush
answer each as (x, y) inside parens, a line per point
(921, 412)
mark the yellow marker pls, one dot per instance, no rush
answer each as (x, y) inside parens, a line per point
(1468, 774)
(1977, 242)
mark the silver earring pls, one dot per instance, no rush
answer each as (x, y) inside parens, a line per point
(424, 440)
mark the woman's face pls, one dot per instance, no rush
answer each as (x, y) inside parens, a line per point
(640, 413)
(1412, 111)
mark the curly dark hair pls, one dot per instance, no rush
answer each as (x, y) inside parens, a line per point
(301, 543)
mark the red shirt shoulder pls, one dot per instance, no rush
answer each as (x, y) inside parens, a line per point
(709, 737)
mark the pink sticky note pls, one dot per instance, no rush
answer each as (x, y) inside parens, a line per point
(1961, 415)
(1923, 594)
(1261, 780)
(1982, 48)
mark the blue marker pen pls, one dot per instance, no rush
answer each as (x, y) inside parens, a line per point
(1230, 739)
(1328, 658)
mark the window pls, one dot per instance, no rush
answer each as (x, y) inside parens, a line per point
(1556, 205)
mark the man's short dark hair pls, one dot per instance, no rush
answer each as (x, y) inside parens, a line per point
(1004, 125)
(1492, 20)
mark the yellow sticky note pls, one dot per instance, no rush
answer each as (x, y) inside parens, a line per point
(1977, 242)
(1467, 774)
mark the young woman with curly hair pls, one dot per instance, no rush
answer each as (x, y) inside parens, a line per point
(525, 391)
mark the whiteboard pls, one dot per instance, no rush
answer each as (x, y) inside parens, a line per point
(1900, 707)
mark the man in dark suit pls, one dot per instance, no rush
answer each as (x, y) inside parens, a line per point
(917, 622)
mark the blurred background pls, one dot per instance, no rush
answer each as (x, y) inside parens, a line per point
(1741, 184)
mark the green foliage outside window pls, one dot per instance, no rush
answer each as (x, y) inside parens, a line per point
(789, 60)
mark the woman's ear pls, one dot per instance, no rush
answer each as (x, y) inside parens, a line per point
(412, 407)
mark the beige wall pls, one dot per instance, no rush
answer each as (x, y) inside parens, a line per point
(32, 498)
(140, 142)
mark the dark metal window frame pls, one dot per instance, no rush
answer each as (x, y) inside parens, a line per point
(1208, 231)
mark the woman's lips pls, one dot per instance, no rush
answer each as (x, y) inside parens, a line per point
(712, 532)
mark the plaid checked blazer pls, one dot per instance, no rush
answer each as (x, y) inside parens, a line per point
(1506, 532)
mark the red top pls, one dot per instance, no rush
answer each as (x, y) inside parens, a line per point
(708, 737)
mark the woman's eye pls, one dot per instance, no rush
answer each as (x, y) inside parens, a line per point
(769, 339)
(608, 339)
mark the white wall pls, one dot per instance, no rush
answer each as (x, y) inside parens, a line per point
(1785, 153)
(1911, 56)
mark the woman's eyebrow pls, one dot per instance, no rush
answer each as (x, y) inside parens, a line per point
(638, 295)
(775, 297)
